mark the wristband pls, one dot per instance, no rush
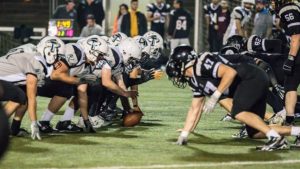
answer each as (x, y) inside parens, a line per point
(34, 123)
(184, 134)
(216, 94)
(291, 57)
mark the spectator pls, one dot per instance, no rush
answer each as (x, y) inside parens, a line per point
(157, 14)
(223, 22)
(66, 11)
(181, 22)
(134, 23)
(240, 17)
(91, 28)
(123, 10)
(87, 7)
(211, 12)
(263, 21)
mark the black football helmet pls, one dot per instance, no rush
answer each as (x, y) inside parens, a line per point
(236, 41)
(176, 65)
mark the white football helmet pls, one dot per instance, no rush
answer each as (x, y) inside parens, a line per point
(131, 53)
(26, 48)
(51, 48)
(156, 43)
(94, 47)
(106, 38)
(117, 38)
(248, 1)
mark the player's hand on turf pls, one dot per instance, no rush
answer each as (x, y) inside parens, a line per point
(35, 132)
(147, 75)
(182, 140)
(211, 102)
(89, 127)
(88, 79)
(132, 94)
(288, 65)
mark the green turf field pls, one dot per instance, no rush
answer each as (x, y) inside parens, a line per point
(149, 145)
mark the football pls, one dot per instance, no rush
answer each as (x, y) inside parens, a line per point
(132, 119)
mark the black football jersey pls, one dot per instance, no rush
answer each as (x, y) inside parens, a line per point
(181, 23)
(161, 11)
(212, 11)
(290, 18)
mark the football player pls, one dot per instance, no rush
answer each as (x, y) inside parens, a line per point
(74, 69)
(22, 73)
(289, 13)
(123, 58)
(235, 81)
(240, 17)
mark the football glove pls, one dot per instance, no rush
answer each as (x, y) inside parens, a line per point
(211, 102)
(183, 138)
(35, 132)
(89, 126)
(147, 75)
(288, 65)
(89, 79)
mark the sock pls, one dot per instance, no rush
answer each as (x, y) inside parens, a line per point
(295, 131)
(47, 116)
(272, 133)
(68, 115)
(15, 127)
(282, 113)
(290, 119)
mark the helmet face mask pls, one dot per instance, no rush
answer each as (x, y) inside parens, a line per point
(131, 64)
(175, 73)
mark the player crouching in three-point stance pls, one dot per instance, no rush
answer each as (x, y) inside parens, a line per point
(214, 76)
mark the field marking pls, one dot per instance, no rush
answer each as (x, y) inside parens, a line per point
(217, 164)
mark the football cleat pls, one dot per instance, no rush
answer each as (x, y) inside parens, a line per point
(67, 126)
(275, 143)
(227, 117)
(45, 127)
(276, 119)
(98, 122)
(296, 144)
(241, 134)
(22, 133)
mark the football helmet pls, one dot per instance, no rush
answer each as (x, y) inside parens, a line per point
(51, 48)
(156, 43)
(236, 41)
(117, 38)
(145, 47)
(249, 1)
(131, 53)
(179, 59)
(95, 48)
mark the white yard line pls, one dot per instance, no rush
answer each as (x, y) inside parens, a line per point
(212, 164)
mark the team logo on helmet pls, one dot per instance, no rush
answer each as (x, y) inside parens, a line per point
(153, 40)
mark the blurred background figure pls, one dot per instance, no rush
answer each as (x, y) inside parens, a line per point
(181, 23)
(123, 10)
(211, 11)
(263, 21)
(134, 23)
(66, 11)
(240, 19)
(92, 28)
(157, 14)
(87, 7)
(223, 19)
